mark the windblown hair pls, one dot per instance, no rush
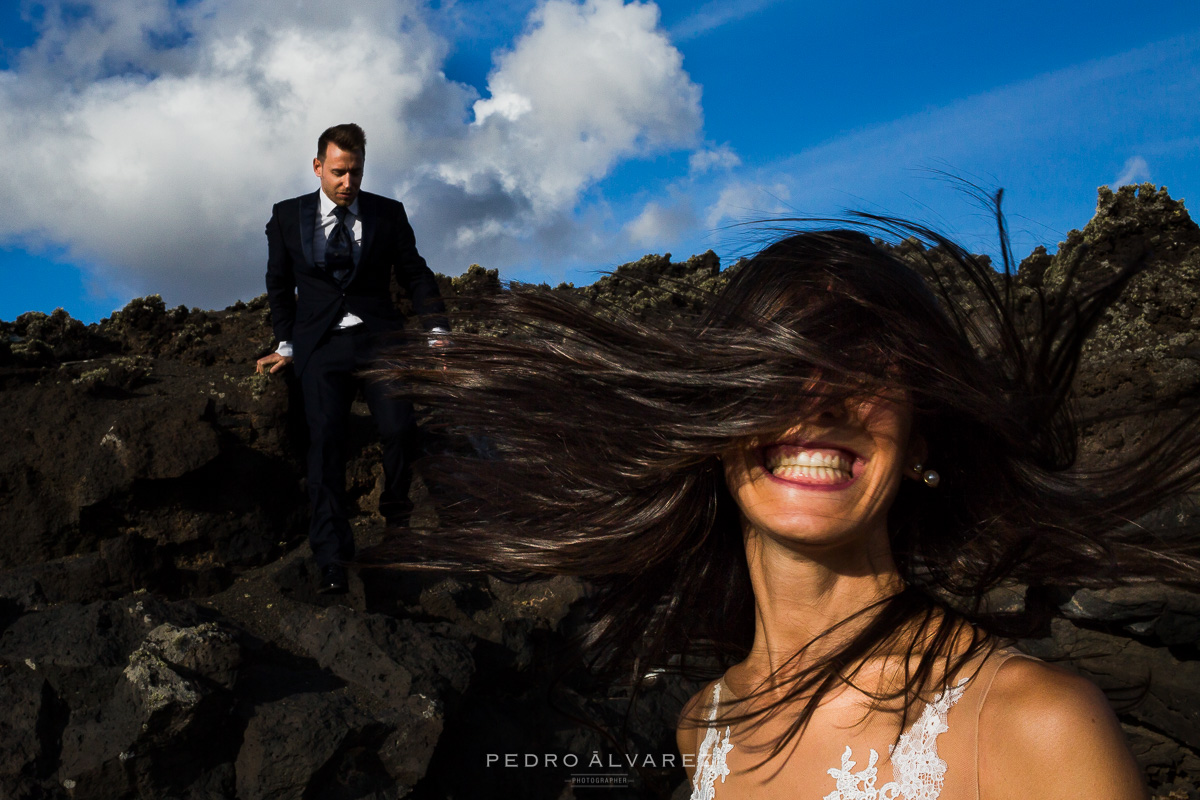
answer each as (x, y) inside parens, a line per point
(601, 433)
(347, 136)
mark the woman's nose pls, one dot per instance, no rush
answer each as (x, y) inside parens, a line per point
(834, 413)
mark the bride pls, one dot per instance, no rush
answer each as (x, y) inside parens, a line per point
(817, 493)
(814, 504)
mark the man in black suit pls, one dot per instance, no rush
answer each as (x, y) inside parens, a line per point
(331, 256)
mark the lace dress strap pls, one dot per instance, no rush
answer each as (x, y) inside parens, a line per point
(710, 760)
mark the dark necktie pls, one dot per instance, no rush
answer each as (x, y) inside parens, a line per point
(338, 257)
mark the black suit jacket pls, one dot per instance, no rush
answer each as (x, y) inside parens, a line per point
(306, 301)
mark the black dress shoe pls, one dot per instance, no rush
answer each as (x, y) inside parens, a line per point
(333, 580)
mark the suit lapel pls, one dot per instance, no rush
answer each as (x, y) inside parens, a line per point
(370, 224)
(308, 225)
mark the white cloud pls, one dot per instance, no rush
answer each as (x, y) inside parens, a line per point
(1136, 170)
(658, 225)
(712, 158)
(150, 138)
(509, 105)
(740, 201)
(585, 86)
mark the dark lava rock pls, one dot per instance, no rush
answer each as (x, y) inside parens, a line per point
(654, 287)
(1147, 346)
(390, 658)
(1173, 770)
(312, 745)
(1167, 614)
(31, 710)
(36, 339)
(115, 695)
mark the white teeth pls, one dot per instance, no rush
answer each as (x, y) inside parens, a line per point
(809, 458)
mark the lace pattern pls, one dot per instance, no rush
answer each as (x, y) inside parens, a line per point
(918, 769)
(710, 761)
(915, 762)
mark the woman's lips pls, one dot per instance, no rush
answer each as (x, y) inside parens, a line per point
(812, 464)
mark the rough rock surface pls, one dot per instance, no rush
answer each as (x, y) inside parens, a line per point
(160, 637)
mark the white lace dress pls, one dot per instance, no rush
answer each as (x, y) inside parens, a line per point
(915, 761)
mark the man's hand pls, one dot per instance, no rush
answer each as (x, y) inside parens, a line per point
(272, 363)
(439, 340)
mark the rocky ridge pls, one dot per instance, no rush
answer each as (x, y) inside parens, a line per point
(159, 637)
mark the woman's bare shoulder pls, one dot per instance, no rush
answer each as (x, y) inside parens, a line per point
(1045, 732)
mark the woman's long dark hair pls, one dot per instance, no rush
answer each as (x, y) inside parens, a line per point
(597, 436)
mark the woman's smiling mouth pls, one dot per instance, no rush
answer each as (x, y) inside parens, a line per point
(810, 464)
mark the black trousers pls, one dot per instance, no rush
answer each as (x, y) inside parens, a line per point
(330, 384)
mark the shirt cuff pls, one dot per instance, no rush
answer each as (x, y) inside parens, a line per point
(284, 349)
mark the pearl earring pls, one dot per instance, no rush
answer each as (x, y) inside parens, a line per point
(930, 477)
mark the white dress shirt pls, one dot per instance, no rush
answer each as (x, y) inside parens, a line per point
(324, 229)
(325, 223)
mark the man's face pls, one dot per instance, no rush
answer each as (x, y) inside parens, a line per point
(340, 172)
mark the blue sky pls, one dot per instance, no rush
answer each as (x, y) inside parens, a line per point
(147, 139)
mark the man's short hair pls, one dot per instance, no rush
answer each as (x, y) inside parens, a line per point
(346, 136)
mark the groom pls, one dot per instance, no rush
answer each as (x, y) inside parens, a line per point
(330, 259)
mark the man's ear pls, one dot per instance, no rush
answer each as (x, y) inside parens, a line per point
(317, 166)
(916, 454)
